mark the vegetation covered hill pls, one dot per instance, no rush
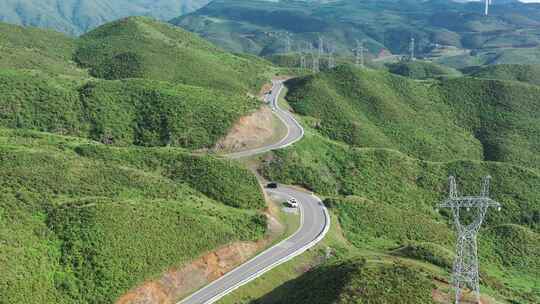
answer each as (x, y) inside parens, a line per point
(120, 112)
(515, 72)
(83, 222)
(457, 118)
(76, 17)
(385, 204)
(422, 70)
(446, 29)
(31, 48)
(144, 48)
(351, 281)
(155, 84)
(379, 148)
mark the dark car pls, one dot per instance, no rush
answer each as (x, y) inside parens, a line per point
(271, 185)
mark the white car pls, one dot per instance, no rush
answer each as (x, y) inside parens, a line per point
(292, 203)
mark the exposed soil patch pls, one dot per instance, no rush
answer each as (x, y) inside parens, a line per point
(252, 131)
(468, 298)
(177, 283)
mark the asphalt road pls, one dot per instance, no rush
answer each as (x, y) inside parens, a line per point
(314, 224)
(295, 132)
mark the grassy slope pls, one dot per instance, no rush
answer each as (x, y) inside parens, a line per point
(402, 215)
(188, 93)
(515, 72)
(31, 48)
(123, 112)
(142, 47)
(459, 118)
(385, 201)
(70, 208)
(341, 281)
(82, 222)
(422, 70)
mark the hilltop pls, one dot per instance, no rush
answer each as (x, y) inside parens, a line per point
(422, 70)
(37, 49)
(453, 33)
(144, 48)
(515, 72)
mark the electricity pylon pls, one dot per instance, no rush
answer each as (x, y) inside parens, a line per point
(287, 43)
(302, 58)
(412, 46)
(315, 60)
(465, 270)
(359, 53)
(321, 47)
(331, 59)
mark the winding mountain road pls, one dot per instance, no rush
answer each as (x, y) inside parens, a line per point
(315, 220)
(295, 132)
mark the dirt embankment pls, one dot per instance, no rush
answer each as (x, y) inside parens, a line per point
(177, 283)
(249, 132)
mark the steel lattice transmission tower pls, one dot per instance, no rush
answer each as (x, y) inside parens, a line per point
(465, 270)
(315, 60)
(412, 48)
(321, 47)
(302, 58)
(287, 43)
(331, 58)
(359, 53)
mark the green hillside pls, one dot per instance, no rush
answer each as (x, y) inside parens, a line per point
(84, 219)
(121, 112)
(385, 204)
(379, 148)
(442, 29)
(421, 70)
(31, 48)
(82, 222)
(457, 118)
(155, 84)
(140, 47)
(524, 73)
(352, 281)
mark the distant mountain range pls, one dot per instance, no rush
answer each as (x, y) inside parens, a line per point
(79, 16)
(440, 28)
(451, 32)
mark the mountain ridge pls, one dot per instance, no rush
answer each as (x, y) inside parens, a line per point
(75, 17)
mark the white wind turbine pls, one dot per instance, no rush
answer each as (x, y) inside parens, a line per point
(488, 3)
